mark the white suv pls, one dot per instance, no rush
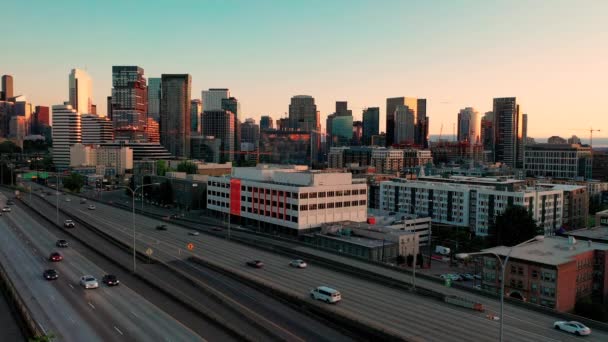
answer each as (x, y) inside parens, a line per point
(326, 294)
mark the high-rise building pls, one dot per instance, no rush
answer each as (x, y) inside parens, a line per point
(109, 107)
(250, 132)
(81, 91)
(152, 131)
(67, 131)
(129, 102)
(96, 129)
(221, 125)
(17, 129)
(266, 122)
(508, 132)
(303, 114)
(212, 98)
(196, 109)
(287, 147)
(341, 130)
(487, 131)
(371, 124)
(421, 120)
(469, 124)
(7, 87)
(572, 140)
(524, 124)
(283, 124)
(556, 140)
(154, 96)
(357, 133)
(175, 114)
(6, 112)
(231, 104)
(405, 125)
(41, 119)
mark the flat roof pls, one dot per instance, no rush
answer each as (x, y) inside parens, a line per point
(597, 233)
(361, 241)
(552, 250)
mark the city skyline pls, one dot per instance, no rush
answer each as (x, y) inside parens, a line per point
(552, 68)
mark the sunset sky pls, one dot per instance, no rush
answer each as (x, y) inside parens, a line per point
(552, 55)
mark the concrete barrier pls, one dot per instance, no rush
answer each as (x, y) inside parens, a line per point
(28, 325)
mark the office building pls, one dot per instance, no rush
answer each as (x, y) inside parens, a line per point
(463, 152)
(115, 160)
(414, 157)
(81, 91)
(206, 148)
(196, 109)
(17, 129)
(154, 96)
(289, 148)
(95, 129)
(212, 98)
(379, 140)
(405, 125)
(556, 140)
(266, 122)
(141, 150)
(6, 112)
(250, 133)
(290, 200)
(559, 161)
(574, 140)
(341, 130)
(221, 125)
(109, 107)
(175, 114)
(152, 131)
(357, 133)
(67, 131)
(508, 132)
(487, 132)
(232, 105)
(341, 157)
(40, 121)
(472, 202)
(303, 114)
(129, 102)
(417, 108)
(469, 125)
(7, 88)
(387, 160)
(600, 163)
(556, 272)
(371, 124)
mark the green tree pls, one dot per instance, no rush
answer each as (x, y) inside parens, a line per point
(166, 192)
(187, 167)
(74, 182)
(7, 147)
(35, 146)
(513, 226)
(161, 167)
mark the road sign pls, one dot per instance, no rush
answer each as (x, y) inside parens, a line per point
(190, 246)
(149, 251)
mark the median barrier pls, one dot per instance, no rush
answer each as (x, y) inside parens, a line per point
(27, 323)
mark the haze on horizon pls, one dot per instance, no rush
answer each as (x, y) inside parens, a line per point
(551, 55)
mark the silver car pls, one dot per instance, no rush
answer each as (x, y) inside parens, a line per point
(89, 282)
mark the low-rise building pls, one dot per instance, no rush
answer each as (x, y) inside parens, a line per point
(576, 205)
(570, 161)
(116, 160)
(387, 160)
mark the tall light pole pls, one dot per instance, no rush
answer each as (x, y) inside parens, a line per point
(133, 191)
(503, 265)
(57, 198)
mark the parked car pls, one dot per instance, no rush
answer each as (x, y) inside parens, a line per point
(255, 263)
(67, 199)
(466, 276)
(6, 209)
(50, 274)
(572, 327)
(193, 233)
(326, 294)
(110, 280)
(298, 263)
(55, 256)
(69, 224)
(89, 282)
(91, 207)
(161, 227)
(61, 243)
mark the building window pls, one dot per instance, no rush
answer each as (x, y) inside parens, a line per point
(520, 270)
(331, 194)
(362, 192)
(321, 194)
(321, 205)
(354, 203)
(312, 195)
(294, 219)
(304, 195)
(330, 205)
(303, 207)
(346, 204)
(346, 192)
(313, 207)
(338, 193)
(362, 202)
(513, 269)
(338, 204)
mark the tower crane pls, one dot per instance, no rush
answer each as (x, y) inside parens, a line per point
(590, 130)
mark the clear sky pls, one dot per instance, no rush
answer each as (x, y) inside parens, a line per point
(552, 54)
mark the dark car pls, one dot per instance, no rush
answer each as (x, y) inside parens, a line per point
(69, 224)
(255, 263)
(161, 227)
(10, 202)
(50, 274)
(55, 256)
(62, 243)
(110, 280)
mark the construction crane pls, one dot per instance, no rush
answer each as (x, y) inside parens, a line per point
(590, 130)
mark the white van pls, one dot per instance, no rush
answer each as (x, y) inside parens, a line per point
(326, 294)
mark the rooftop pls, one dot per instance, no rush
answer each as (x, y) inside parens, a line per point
(596, 233)
(361, 241)
(552, 250)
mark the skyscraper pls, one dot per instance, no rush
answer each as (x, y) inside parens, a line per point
(152, 131)
(196, 108)
(357, 132)
(129, 102)
(81, 91)
(266, 122)
(391, 106)
(154, 95)
(67, 131)
(371, 124)
(340, 125)
(41, 119)
(469, 125)
(232, 105)
(95, 130)
(405, 127)
(175, 114)
(303, 114)
(421, 120)
(7, 87)
(250, 132)
(487, 131)
(220, 124)
(508, 132)
(212, 98)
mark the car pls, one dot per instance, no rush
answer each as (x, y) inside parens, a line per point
(83, 200)
(67, 199)
(477, 287)
(255, 263)
(110, 280)
(466, 276)
(193, 233)
(69, 224)
(6, 209)
(10, 202)
(297, 263)
(91, 207)
(89, 282)
(451, 276)
(477, 276)
(61, 243)
(161, 227)
(217, 229)
(55, 256)
(50, 274)
(326, 294)
(572, 327)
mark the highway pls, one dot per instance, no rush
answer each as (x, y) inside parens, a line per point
(283, 321)
(63, 307)
(411, 316)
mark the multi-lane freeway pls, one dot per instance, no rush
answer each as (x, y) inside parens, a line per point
(408, 315)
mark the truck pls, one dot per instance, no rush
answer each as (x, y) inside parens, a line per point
(465, 303)
(442, 250)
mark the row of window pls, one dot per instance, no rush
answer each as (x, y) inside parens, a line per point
(287, 194)
(268, 213)
(305, 207)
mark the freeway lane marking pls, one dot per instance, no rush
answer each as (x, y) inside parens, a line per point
(71, 286)
(134, 314)
(116, 328)
(91, 305)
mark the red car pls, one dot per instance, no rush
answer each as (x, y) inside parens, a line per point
(55, 256)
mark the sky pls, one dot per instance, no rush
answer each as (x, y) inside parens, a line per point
(550, 54)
